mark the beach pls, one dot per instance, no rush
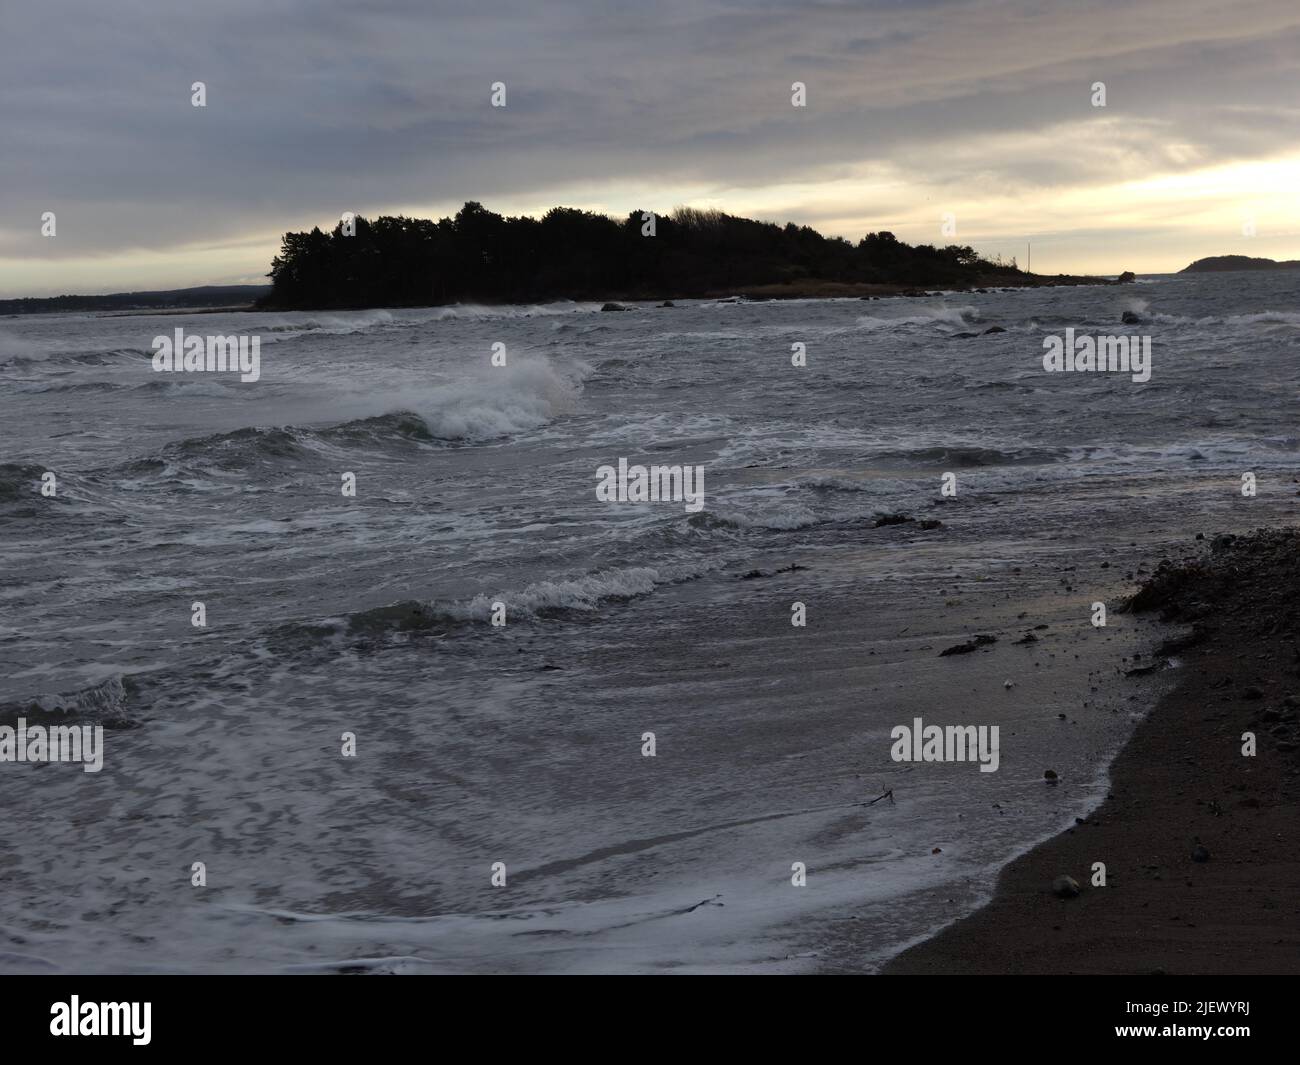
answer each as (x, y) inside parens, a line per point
(1180, 782)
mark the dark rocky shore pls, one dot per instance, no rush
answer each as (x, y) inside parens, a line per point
(1201, 843)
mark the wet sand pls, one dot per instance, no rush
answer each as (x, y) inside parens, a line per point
(1181, 781)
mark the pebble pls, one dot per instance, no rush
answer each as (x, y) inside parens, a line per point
(1065, 887)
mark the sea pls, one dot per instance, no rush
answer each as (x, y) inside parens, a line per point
(387, 684)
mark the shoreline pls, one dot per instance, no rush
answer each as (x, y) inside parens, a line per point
(1181, 782)
(764, 293)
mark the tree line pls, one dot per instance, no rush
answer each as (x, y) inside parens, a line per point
(573, 254)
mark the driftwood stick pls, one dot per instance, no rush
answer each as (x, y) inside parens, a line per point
(887, 795)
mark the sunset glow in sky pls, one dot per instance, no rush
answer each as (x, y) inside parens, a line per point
(980, 109)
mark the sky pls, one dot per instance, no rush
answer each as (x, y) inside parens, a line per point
(984, 111)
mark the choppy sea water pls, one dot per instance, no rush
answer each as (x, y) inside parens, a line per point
(522, 744)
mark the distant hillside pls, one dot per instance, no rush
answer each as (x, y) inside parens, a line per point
(172, 299)
(479, 256)
(1238, 262)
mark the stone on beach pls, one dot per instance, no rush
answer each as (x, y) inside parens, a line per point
(1065, 887)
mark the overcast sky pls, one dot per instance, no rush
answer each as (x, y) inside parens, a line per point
(981, 109)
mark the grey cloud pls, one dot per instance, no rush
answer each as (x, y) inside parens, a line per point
(316, 108)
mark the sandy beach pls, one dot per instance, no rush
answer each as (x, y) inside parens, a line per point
(1182, 782)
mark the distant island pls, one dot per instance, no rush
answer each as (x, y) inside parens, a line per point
(479, 256)
(1238, 262)
(205, 297)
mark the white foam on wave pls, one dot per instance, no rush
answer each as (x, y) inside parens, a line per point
(105, 698)
(12, 345)
(586, 592)
(329, 325)
(957, 316)
(1265, 317)
(519, 310)
(488, 403)
(15, 346)
(525, 394)
(779, 517)
(839, 483)
(1291, 318)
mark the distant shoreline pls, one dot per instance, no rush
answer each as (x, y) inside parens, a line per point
(1232, 264)
(809, 289)
(804, 289)
(185, 300)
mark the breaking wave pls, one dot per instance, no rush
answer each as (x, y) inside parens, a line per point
(955, 316)
(549, 598)
(104, 704)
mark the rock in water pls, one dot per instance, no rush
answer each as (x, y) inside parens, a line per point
(1065, 887)
(1050, 776)
(613, 307)
(1130, 318)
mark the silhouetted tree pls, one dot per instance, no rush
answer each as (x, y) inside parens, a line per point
(570, 253)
